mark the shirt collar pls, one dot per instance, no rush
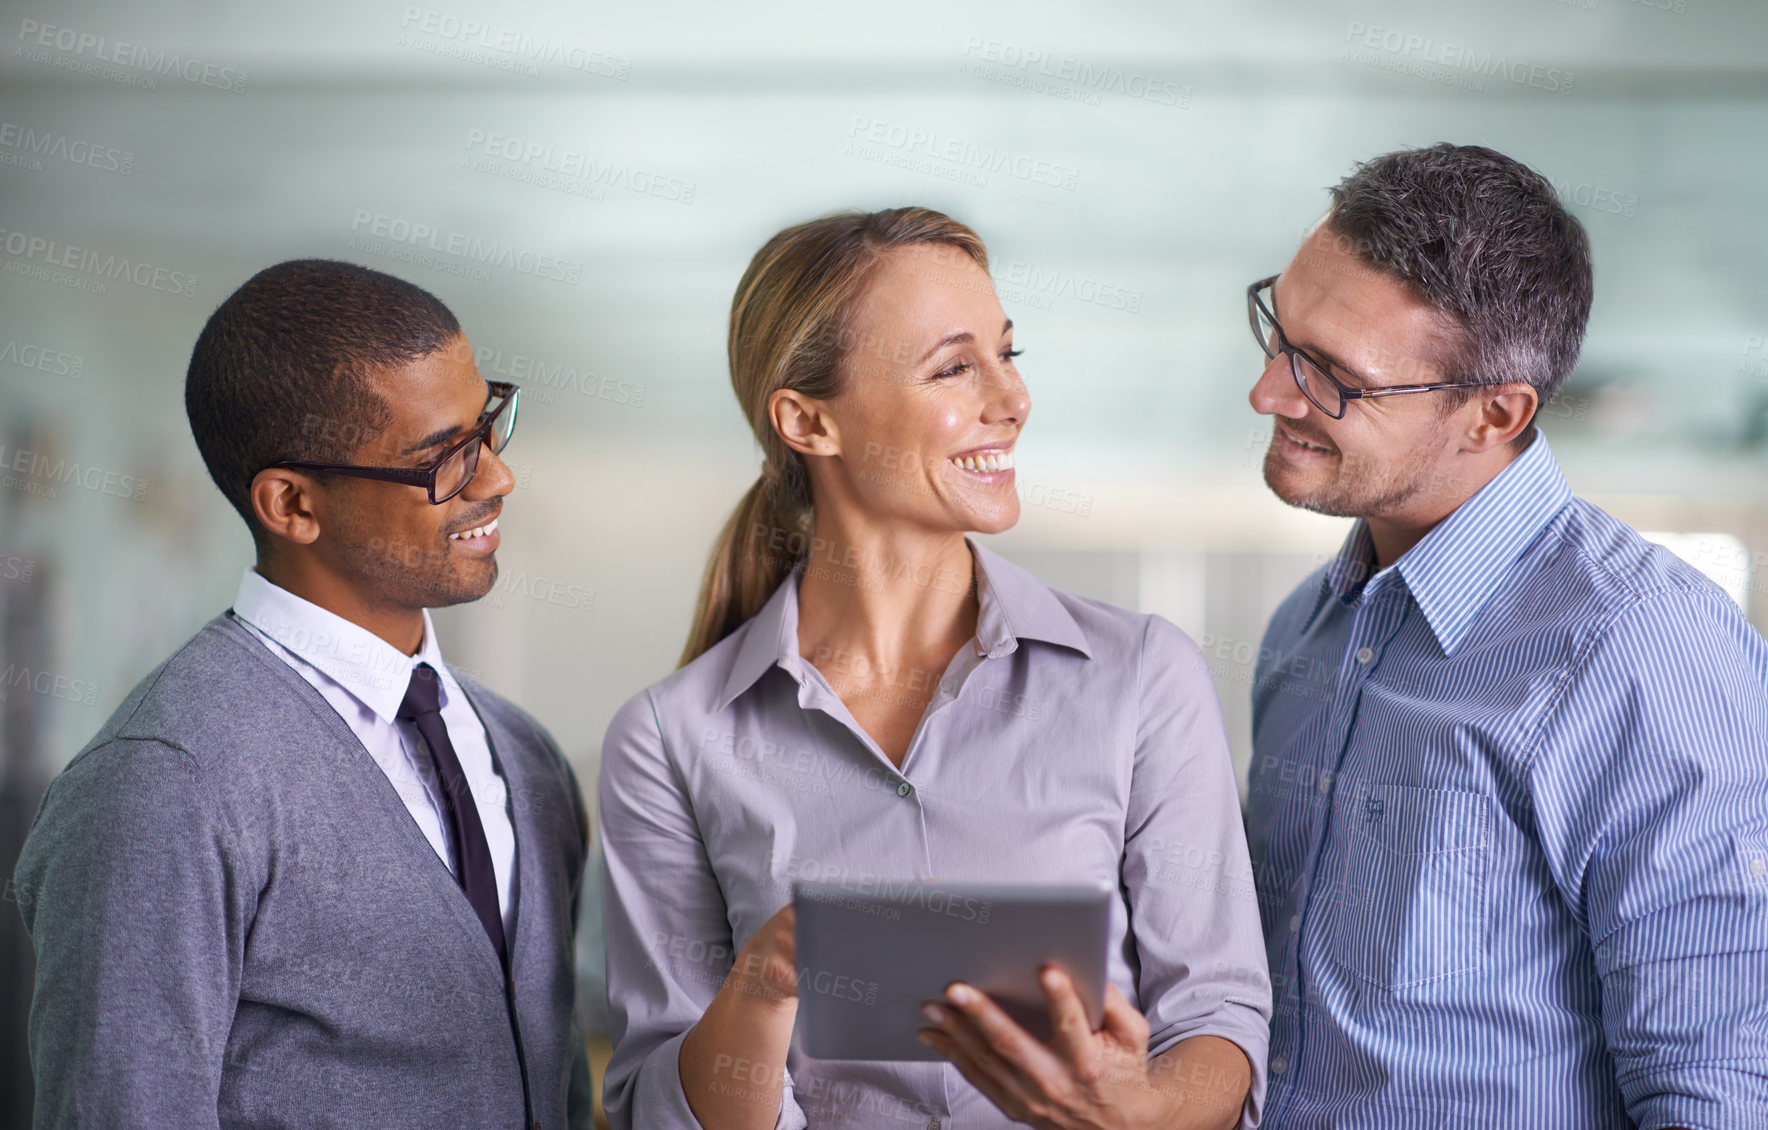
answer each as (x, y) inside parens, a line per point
(370, 668)
(1457, 567)
(1013, 605)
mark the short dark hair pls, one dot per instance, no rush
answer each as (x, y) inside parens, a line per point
(282, 369)
(1484, 239)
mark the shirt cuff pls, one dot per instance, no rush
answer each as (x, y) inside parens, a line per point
(658, 1100)
(1247, 1030)
(1713, 1097)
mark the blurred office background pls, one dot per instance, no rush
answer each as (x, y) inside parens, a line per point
(584, 183)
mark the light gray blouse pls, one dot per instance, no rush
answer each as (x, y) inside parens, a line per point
(1071, 741)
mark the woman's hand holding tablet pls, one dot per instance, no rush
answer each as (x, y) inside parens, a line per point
(869, 957)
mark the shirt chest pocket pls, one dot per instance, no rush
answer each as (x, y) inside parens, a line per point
(1417, 860)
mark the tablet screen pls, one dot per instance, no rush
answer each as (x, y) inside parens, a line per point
(869, 955)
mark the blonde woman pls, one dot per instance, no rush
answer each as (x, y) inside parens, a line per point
(868, 695)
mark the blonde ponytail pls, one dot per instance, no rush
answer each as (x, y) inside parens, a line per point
(788, 330)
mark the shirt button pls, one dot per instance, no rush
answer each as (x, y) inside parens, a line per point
(1279, 1066)
(1325, 782)
(933, 1124)
(1757, 867)
(904, 789)
(1365, 654)
(1294, 923)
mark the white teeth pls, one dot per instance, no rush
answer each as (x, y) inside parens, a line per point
(986, 462)
(476, 532)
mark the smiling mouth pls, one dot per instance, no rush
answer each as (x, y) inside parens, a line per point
(476, 533)
(982, 463)
(1296, 441)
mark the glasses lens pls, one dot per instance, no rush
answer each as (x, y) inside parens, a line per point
(504, 426)
(457, 471)
(1264, 328)
(1316, 387)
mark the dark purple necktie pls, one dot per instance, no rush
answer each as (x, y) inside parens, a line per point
(423, 706)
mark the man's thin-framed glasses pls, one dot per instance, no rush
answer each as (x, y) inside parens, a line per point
(451, 471)
(1323, 390)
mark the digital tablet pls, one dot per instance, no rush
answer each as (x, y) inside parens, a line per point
(869, 955)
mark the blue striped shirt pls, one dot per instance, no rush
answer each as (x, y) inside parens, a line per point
(1509, 824)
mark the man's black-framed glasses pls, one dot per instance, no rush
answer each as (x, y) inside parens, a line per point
(451, 471)
(1323, 390)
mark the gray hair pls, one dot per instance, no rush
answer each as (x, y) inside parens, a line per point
(1483, 239)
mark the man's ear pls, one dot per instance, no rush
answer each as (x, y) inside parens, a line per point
(804, 423)
(1505, 411)
(286, 504)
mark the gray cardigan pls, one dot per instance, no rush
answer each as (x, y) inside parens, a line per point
(238, 924)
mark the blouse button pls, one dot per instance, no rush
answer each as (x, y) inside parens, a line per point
(904, 789)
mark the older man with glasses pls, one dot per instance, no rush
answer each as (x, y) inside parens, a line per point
(1512, 859)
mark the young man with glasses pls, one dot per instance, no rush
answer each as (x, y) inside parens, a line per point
(308, 871)
(1513, 868)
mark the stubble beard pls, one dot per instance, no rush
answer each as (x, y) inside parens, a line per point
(1358, 488)
(408, 575)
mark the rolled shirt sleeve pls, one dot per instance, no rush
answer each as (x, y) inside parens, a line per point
(1652, 801)
(1193, 906)
(669, 941)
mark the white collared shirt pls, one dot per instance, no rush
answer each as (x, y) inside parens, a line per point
(365, 678)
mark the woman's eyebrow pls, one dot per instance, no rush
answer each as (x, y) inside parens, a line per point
(948, 339)
(956, 339)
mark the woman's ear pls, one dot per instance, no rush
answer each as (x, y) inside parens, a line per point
(804, 423)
